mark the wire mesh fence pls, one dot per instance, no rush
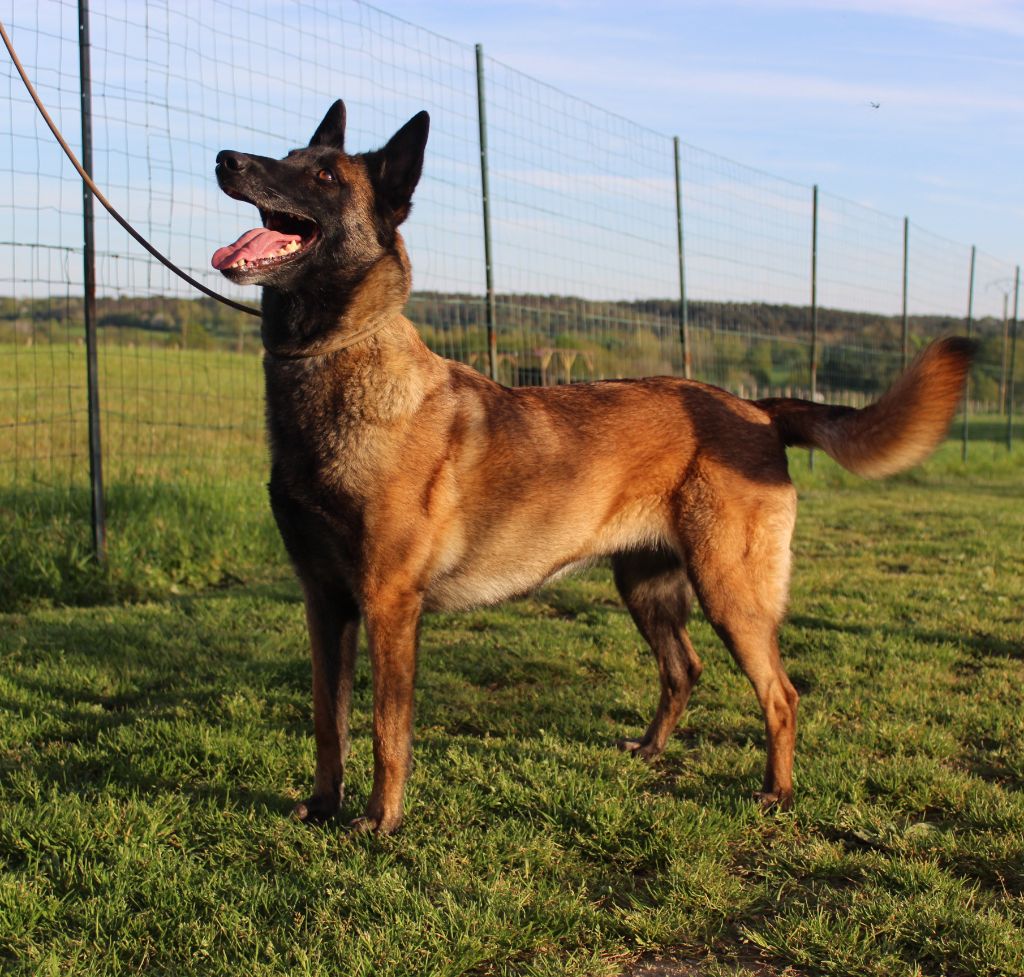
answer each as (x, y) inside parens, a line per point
(588, 277)
(994, 284)
(747, 251)
(860, 291)
(584, 232)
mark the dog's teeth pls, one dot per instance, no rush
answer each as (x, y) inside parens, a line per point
(291, 246)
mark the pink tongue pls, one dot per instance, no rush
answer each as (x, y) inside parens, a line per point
(260, 242)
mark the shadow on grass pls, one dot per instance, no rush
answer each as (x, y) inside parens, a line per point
(156, 664)
(980, 645)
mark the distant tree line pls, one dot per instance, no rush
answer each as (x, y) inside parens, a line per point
(558, 338)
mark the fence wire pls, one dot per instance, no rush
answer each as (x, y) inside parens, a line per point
(584, 235)
(584, 232)
(747, 248)
(994, 283)
(860, 291)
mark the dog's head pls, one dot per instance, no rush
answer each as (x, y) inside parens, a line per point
(324, 213)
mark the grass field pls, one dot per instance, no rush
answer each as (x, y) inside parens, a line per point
(171, 414)
(156, 731)
(151, 749)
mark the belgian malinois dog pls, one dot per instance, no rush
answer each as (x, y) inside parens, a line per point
(403, 482)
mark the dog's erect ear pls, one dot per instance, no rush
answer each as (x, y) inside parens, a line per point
(331, 132)
(395, 170)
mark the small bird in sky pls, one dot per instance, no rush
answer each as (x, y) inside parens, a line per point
(874, 105)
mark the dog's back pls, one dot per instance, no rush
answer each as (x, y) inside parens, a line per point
(402, 482)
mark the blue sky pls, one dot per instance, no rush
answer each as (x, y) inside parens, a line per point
(786, 85)
(582, 203)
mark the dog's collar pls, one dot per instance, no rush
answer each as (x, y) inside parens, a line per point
(327, 345)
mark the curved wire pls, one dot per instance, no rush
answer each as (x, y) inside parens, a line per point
(97, 193)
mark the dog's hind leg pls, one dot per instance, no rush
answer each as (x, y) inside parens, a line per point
(333, 619)
(755, 647)
(739, 564)
(658, 596)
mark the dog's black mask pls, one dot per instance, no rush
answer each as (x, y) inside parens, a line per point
(324, 213)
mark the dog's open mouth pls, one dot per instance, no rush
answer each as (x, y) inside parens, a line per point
(282, 238)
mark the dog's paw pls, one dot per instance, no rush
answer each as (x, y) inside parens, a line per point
(377, 826)
(639, 748)
(317, 809)
(778, 800)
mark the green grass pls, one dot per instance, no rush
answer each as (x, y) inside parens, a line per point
(175, 415)
(162, 539)
(156, 731)
(151, 749)
(184, 466)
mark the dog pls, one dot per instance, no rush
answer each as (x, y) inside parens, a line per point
(403, 482)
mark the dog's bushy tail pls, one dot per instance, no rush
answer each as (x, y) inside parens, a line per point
(899, 430)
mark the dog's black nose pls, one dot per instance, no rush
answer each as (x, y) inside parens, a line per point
(236, 162)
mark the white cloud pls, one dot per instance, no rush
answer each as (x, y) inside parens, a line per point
(1004, 16)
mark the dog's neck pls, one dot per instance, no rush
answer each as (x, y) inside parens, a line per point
(340, 314)
(318, 392)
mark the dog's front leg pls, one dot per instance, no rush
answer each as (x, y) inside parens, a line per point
(333, 619)
(392, 624)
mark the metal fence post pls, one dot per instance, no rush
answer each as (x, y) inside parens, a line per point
(99, 519)
(1006, 343)
(906, 269)
(814, 304)
(485, 192)
(1013, 361)
(970, 330)
(684, 317)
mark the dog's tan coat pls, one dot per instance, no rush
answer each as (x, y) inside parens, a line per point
(403, 482)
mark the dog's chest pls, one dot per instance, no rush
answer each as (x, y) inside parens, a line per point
(320, 468)
(328, 433)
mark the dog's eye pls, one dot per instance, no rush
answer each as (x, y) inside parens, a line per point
(326, 176)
